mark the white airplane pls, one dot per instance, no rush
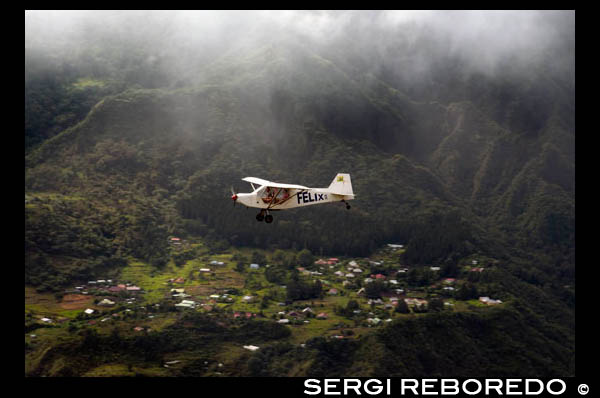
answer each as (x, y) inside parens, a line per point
(269, 196)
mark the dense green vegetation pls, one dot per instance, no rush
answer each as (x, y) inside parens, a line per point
(126, 145)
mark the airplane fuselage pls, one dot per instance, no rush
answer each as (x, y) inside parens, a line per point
(297, 198)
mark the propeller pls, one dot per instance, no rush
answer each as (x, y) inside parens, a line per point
(233, 196)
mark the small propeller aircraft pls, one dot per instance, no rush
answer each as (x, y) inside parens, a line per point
(270, 196)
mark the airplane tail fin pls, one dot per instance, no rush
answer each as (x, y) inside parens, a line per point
(341, 185)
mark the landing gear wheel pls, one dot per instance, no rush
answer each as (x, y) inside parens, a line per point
(260, 216)
(268, 219)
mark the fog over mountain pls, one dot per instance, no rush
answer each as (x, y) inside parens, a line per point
(484, 40)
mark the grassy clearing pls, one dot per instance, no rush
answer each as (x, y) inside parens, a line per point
(46, 305)
(85, 82)
(120, 370)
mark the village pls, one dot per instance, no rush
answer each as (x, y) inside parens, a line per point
(354, 296)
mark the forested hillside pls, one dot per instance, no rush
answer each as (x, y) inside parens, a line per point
(130, 140)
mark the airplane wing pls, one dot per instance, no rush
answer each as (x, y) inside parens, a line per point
(260, 181)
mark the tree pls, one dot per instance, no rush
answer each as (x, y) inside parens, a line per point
(467, 291)
(402, 307)
(436, 304)
(305, 258)
(374, 289)
(239, 267)
(258, 258)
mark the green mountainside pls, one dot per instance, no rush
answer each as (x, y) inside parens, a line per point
(116, 163)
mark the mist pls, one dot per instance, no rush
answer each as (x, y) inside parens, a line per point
(182, 43)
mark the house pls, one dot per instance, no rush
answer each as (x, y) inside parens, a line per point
(353, 263)
(251, 347)
(361, 291)
(394, 246)
(133, 288)
(434, 268)
(301, 269)
(477, 269)
(369, 280)
(448, 288)
(283, 321)
(322, 315)
(138, 328)
(47, 320)
(393, 281)
(294, 314)
(474, 262)
(373, 321)
(415, 301)
(106, 302)
(89, 311)
(346, 283)
(247, 298)
(489, 301)
(307, 310)
(186, 304)
(177, 290)
(379, 276)
(204, 270)
(236, 315)
(339, 273)
(321, 262)
(357, 270)
(449, 280)
(332, 292)
(115, 289)
(254, 266)
(332, 261)
(349, 275)
(179, 280)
